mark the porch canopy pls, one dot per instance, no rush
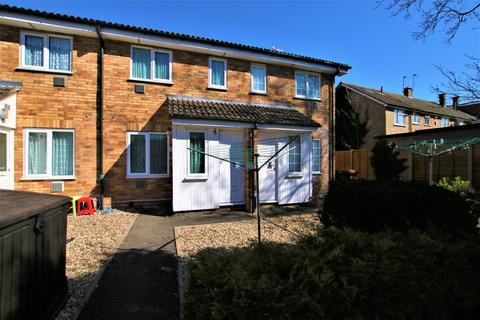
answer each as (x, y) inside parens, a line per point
(248, 115)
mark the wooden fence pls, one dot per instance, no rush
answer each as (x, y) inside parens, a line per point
(461, 163)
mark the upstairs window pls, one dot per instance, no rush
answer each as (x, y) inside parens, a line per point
(217, 73)
(316, 156)
(46, 52)
(151, 65)
(307, 85)
(259, 78)
(427, 120)
(294, 156)
(415, 118)
(399, 117)
(445, 122)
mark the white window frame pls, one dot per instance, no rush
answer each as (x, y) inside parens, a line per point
(260, 66)
(152, 65)
(295, 173)
(147, 174)
(306, 85)
(225, 72)
(446, 121)
(417, 116)
(320, 156)
(396, 112)
(48, 175)
(46, 52)
(427, 123)
(199, 176)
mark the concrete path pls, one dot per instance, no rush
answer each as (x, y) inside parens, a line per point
(141, 281)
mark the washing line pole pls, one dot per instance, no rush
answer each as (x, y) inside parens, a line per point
(257, 198)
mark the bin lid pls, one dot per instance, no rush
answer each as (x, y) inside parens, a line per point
(20, 205)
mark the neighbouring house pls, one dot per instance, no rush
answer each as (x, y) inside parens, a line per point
(95, 107)
(391, 113)
(472, 108)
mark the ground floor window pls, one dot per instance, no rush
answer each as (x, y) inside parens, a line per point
(197, 156)
(294, 155)
(49, 153)
(147, 154)
(316, 155)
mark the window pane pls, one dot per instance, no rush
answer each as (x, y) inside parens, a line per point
(37, 153)
(313, 86)
(62, 153)
(197, 159)
(60, 54)
(137, 154)
(33, 51)
(316, 155)
(294, 155)
(3, 152)
(218, 73)
(301, 84)
(258, 78)
(141, 63)
(158, 154)
(162, 65)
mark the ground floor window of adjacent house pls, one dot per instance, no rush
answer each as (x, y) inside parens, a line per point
(294, 156)
(197, 156)
(49, 153)
(147, 155)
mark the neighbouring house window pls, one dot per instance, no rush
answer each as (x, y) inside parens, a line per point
(427, 120)
(153, 65)
(259, 78)
(460, 122)
(197, 156)
(49, 153)
(399, 117)
(147, 154)
(217, 73)
(316, 155)
(294, 156)
(416, 118)
(445, 122)
(307, 85)
(46, 52)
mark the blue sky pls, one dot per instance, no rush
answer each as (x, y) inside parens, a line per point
(378, 46)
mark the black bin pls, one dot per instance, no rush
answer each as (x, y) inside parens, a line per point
(33, 227)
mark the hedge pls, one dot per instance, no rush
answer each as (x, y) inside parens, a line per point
(339, 274)
(397, 206)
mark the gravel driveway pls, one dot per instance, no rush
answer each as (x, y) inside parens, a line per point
(91, 242)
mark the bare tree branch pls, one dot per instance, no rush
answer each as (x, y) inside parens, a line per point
(465, 84)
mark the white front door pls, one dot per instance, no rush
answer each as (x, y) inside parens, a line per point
(232, 177)
(267, 146)
(6, 160)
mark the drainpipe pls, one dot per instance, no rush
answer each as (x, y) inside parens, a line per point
(331, 129)
(100, 116)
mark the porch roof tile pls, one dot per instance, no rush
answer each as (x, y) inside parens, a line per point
(239, 111)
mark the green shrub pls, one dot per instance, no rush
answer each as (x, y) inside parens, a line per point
(398, 206)
(339, 274)
(457, 185)
(385, 162)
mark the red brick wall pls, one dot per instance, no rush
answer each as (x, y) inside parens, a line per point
(40, 104)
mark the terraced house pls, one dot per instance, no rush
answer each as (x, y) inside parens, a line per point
(391, 113)
(93, 107)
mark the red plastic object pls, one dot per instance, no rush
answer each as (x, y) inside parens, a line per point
(85, 206)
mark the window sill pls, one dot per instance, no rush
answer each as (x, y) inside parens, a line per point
(307, 99)
(156, 176)
(317, 173)
(258, 93)
(416, 123)
(167, 82)
(295, 175)
(217, 88)
(399, 125)
(197, 178)
(26, 178)
(67, 73)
